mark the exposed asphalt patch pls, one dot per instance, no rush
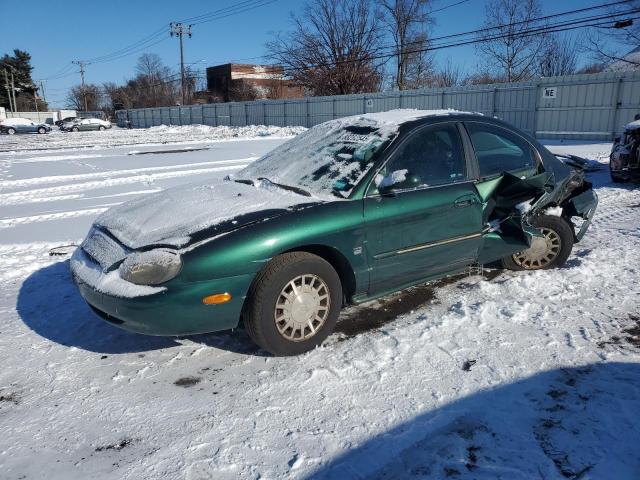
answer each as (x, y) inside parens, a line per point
(187, 382)
(10, 398)
(364, 318)
(466, 366)
(180, 150)
(125, 442)
(629, 335)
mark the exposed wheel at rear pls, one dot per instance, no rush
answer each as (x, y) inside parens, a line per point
(293, 303)
(11, 131)
(550, 250)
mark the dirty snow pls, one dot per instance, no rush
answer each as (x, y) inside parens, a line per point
(487, 375)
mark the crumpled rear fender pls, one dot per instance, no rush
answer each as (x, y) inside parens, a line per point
(510, 203)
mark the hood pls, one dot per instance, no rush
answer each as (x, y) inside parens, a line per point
(182, 215)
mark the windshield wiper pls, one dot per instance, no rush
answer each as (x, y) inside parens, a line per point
(297, 190)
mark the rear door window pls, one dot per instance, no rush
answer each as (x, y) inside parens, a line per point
(499, 150)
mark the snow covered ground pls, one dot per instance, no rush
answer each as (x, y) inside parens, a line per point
(491, 375)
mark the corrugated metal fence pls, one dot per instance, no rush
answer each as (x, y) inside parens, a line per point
(572, 107)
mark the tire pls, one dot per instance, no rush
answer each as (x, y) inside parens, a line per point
(42, 130)
(559, 243)
(11, 131)
(75, 129)
(615, 178)
(101, 127)
(269, 290)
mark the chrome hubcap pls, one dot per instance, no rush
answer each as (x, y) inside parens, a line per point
(543, 250)
(302, 307)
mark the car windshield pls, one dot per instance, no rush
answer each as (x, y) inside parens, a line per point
(326, 160)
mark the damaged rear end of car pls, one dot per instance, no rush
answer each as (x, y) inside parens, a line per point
(514, 207)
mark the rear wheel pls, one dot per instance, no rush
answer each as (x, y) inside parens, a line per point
(549, 251)
(293, 303)
(11, 131)
(614, 176)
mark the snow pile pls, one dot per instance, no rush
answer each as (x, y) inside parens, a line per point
(159, 135)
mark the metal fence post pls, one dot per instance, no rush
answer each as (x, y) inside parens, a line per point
(616, 106)
(535, 109)
(264, 113)
(333, 108)
(246, 114)
(307, 112)
(215, 115)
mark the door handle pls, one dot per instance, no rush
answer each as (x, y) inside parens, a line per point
(464, 202)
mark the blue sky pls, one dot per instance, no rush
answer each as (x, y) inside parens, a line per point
(55, 33)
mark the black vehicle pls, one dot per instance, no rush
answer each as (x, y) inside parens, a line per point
(624, 161)
(59, 123)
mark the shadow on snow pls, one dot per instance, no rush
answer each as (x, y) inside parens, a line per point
(49, 303)
(565, 423)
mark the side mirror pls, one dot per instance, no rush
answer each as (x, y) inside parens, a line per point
(386, 191)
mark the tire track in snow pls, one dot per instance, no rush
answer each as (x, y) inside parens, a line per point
(22, 196)
(12, 222)
(115, 173)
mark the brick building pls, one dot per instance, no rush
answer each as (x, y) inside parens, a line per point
(237, 82)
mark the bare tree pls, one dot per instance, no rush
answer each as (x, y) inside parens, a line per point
(153, 86)
(331, 49)
(407, 23)
(625, 36)
(77, 95)
(482, 78)
(592, 68)
(559, 56)
(514, 55)
(241, 91)
(447, 76)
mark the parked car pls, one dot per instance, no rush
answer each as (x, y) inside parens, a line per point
(59, 123)
(12, 126)
(346, 212)
(624, 161)
(85, 124)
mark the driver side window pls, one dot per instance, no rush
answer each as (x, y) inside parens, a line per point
(431, 156)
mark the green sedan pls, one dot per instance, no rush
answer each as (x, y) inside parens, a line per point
(350, 210)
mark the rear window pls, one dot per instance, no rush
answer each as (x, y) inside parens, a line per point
(499, 150)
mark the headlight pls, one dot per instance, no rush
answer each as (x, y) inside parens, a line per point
(151, 268)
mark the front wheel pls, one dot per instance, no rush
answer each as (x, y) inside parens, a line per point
(293, 303)
(549, 251)
(75, 129)
(101, 127)
(41, 130)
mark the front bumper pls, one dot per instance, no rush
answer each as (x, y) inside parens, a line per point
(178, 310)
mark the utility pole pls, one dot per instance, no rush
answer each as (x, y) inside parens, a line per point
(6, 86)
(82, 64)
(44, 97)
(13, 92)
(180, 30)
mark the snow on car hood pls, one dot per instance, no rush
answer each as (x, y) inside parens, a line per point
(172, 216)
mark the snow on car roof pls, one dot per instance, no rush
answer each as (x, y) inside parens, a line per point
(395, 118)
